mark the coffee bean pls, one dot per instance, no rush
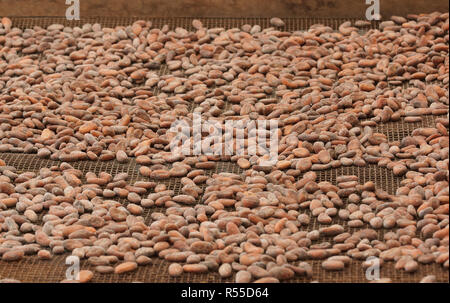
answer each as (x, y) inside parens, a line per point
(243, 276)
(13, 255)
(333, 265)
(125, 267)
(225, 270)
(85, 276)
(277, 22)
(44, 255)
(185, 199)
(104, 269)
(243, 163)
(175, 269)
(333, 230)
(257, 272)
(195, 268)
(411, 266)
(121, 156)
(428, 279)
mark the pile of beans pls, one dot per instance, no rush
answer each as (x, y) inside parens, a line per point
(96, 93)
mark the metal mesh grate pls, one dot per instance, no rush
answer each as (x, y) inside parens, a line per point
(291, 24)
(31, 269)
(396, 131)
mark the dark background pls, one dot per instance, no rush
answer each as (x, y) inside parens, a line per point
(220, 8)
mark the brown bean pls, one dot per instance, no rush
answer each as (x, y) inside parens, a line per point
(44, 255)
(281, 273)
(175, 270)
(243, 163)
(195, 268)
(125, 267)
(225, 270)
(85, 276)
(104, 269)
(13, 255)
(333, 265)
(277, 22)
(243, 276)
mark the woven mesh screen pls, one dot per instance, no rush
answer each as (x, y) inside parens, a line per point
(291, 24)
(31, 269)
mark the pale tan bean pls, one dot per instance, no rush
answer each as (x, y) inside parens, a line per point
(125, 267)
